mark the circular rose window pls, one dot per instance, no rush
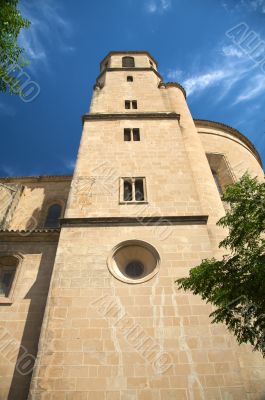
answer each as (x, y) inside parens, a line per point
(133, 261)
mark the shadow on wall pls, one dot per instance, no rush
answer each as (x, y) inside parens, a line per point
(34, 221)
(37, 295)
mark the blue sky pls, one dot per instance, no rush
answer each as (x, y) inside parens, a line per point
(68, 39)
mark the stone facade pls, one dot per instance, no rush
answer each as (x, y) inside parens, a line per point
(23, 209)
(107, 334)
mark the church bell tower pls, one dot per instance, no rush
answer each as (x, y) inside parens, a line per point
(141, 212)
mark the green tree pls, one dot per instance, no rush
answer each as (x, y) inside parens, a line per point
(11, 60)
(236, 284)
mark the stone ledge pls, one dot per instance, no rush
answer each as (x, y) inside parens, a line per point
(126, 52)
(166, 85)
(134, 221)
(127, 69)
(151, 115)
(34, 179)
(40, 235)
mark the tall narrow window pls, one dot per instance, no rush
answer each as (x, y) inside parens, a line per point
(139, 190)
(127, 191)
(151, 63)
(127, 104)
(133, 190)
(129, 78)
(136, 134)
(221, 171)
(52, 219)
(128, 62)
(134, 104)
(8, 267)
(217, 182)
(127, 135)
(6, 279)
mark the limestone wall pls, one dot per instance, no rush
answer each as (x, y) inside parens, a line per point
(21, 316)
(30, 205)
(86, 348)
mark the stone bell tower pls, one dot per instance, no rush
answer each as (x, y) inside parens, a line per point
(141, 212)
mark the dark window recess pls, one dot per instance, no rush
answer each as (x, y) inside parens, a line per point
(131, 134)
(217, 182)
(134, 269)
(136, 134)
(106, 64)
(127, 135)
(151, 63)
(54, 213)
(6, 279)
(139, 190)
(127, 191)
(129, 78)
(130, 104)
(128, 62)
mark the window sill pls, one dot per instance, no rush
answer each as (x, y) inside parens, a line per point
(133, 202)
(5, 300)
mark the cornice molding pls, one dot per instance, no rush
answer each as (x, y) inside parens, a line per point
(39, 235)
(125, 69)
(173, 84)
(232, 131)
(33, 179)
(137, 52)
(115, 116)
(135, 221)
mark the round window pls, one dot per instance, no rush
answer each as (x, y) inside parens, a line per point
(133, 261)
(134, 269)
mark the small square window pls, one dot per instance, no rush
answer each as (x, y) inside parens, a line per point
(130, 104)
(129, 78)
(133, 190)
(131, 134)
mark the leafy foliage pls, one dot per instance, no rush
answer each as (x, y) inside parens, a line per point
(236, 284)
(11, 22)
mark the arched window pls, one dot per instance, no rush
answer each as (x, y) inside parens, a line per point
(128, 62)
(52, 219)
(8, 267)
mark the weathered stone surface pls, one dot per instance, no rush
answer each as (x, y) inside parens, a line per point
(102, 338)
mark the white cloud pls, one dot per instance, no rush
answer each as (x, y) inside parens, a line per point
(255, 88)
(174, 74)
(158, 6)
(48, 28)
(228, 69)
(201, 82)
(69, 164)
(232, 51)
(257, 5)
(249, 5)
